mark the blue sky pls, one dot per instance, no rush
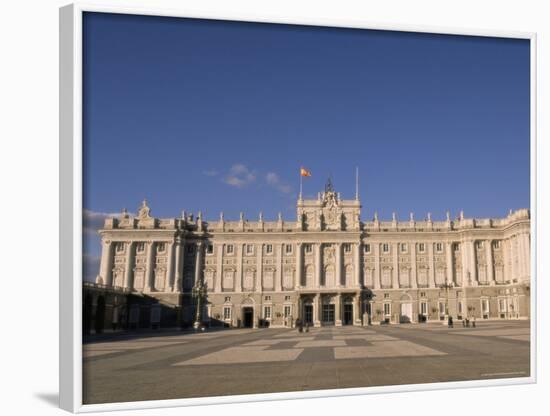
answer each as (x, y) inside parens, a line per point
(213, 115)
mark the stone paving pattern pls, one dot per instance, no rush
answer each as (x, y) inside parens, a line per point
(247, 361)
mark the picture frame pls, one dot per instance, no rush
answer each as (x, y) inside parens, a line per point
(71, 208)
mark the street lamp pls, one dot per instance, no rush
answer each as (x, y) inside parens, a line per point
(198, 292)
(446, 286)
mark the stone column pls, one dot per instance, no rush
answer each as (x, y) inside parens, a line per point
(506, 259)
(219, 269)
(318, 265)
(449, 260)
(465, 264)
(338, 310)
(376, 266)
(259, 267)
(338, 266)
(128, 274)
(168, 279)
(414, 282)
(299, 266)
(106, 267)
(177, 284)
(149, 284)
(198, 263)
(316, 311)
(357, 264)
(395, 273)
(239, 275)
(472, 260)
(527, 255)
(489, 261)
(357, 310)
(513, 256)
(431, 265)
(279, 273)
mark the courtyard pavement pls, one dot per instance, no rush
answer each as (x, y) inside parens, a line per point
(247, 361)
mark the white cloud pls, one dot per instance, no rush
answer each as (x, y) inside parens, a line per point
(239, 176)
(273, 180)
(92, 221)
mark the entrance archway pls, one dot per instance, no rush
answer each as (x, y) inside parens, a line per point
(347, 312)
(405, 313)
(307, 311)
(248, 316)
(328, 309)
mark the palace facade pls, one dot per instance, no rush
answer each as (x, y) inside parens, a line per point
(325, 268)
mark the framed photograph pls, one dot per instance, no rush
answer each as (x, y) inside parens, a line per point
(264, 208)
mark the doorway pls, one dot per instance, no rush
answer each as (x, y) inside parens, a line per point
(406, 313)
(328, 314)
(348, 314)
(308, 314)
(248, 317)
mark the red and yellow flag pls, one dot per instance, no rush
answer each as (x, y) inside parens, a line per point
(304, 172)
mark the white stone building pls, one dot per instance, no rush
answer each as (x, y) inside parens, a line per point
(326, 268)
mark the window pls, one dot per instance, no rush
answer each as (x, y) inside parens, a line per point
(227, 312)
(502, 305)
(441, 308)
(119, 247)
(347, 248)
(423, 294)
(288, 248)
(267, 312)
(386, 295)
(496, 244)
(438, 247)
(456, 246)
(228, 298)
(229, 249)
(287, 310)
(385, 248)
(485, 307)
(161, 247)
(421, 247)
(308, 248)
(387, 309)
(267, 298)
(287, 297)
(190, 249)
(249, 249)
(423, 308)
(479, 245)
(403, 247)
(460, 308)
(269, 249)
(367, 248)
(140, 247)
(209, 249)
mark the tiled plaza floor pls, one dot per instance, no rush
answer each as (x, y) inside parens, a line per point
(249, 361)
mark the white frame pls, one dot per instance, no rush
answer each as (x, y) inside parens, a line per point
(70, 220)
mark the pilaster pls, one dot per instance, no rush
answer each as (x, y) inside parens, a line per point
(395, 272)
(414, 282)
(338, 265)
(219, 269)
(489, 261)
(299, 265)
(128, 275)
(376, 266)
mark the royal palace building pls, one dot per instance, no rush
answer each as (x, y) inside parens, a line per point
(325, 268)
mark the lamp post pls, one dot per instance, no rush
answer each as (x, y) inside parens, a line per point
(446, 286)
(199, 292)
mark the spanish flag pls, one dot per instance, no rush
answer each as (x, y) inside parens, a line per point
(304, 172)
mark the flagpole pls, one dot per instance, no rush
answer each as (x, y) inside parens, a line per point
(300, 185)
